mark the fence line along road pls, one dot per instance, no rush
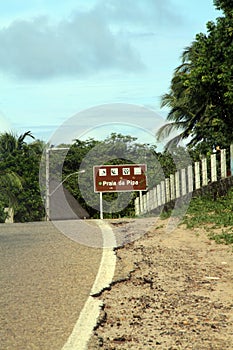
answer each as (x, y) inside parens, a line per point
(185, 181)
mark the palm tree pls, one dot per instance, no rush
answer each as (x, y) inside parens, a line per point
(189, 101)
(9, 142)
(9, 180)
(200, 99)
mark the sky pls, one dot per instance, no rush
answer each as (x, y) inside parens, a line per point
(59, 59)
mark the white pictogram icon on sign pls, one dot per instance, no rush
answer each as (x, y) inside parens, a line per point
(102, 172)
(137, 171)
(114, 171)
(126, 171)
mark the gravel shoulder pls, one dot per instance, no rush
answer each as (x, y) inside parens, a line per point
(170, 291)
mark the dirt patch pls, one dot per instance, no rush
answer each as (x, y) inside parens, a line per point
(174, 291)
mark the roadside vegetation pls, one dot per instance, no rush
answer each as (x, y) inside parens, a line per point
(216, 217)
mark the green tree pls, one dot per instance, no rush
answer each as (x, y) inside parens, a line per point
(10, 142)
(22, 159)
(115, 149)
(225, 5)
(8, 180)
(200, 99)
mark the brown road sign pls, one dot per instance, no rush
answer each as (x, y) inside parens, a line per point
(120, 178)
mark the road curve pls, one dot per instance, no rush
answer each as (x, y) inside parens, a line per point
(46, 279)
(88, 317)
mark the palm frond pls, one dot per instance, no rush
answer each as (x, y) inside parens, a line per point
(167, 100)
(173, 143)
(166, 129)
(23, 136)
(8, 181)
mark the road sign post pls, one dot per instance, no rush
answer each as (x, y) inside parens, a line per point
(101, 206)
(119, 178)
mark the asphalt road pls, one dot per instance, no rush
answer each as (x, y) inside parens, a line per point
(45, 279)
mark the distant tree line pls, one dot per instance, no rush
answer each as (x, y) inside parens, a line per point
(115, 149)
(20, 168)
(21, 164)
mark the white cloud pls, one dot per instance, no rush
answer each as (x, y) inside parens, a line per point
(137, 12)
(83, 45)
(88, 42)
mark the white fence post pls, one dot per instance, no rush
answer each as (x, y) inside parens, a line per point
(197, 175)
(163, 195)
(172, 186)
(190, 179)
(147, 201)
(223, 164)
(155, 197)
(159, 194)
(168, 194)
(144, 203)
(151, 207)
(177, 181)
(204, 172)
(213, 167)
(183, 182)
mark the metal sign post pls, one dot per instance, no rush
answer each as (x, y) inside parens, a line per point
(47, 199)
(101, 206)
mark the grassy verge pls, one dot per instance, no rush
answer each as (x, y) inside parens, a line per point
(215, 216)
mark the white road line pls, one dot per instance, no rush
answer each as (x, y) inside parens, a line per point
(82, 331)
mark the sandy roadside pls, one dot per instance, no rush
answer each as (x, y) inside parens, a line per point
(174, 291)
